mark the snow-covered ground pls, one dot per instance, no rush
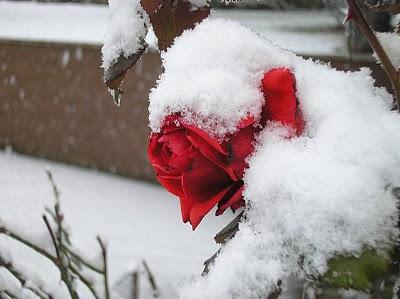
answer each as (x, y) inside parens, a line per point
(139, 220)
(304, 32)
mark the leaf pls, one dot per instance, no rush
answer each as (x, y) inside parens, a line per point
(114, 76)
(171, 17)
(358, 273)
(226, 234)
(229, 231)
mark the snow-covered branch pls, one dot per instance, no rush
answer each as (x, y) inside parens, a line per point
(70, 264)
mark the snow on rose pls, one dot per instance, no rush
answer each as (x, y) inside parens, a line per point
(203, 171)
(310, 199)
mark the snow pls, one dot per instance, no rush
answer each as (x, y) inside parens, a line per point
(391, 44)
(126, 32)
(198, 3)
(50, 22)
(304, 32)
(207, 89)
(325, 193)
(308, 32)
(138, 220)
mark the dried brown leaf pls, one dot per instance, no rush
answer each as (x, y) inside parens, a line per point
(114, 76)
(171, 17)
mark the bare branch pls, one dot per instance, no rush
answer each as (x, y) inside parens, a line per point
(152, 281)
(37, 290)
(53, 238)
(66, 260)
(105, 267)
(85, 281)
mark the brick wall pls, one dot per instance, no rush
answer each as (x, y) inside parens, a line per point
(53, 104)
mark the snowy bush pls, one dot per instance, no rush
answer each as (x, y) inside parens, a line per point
(310, 199)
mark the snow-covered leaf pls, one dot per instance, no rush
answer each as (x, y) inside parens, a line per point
(357, 273)
(124, 43)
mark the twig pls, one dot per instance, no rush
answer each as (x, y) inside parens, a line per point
(62, 258)
(85, 281)
(67, 281)
(82, 261)
(66, 260)
(151, 279)
(16, 237)
(56, 192)
(10, 294)
(22, 280)
(53, 238)
(105, 267)
(135, 284)
(387, 65)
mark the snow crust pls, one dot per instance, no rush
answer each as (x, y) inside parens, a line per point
(391, 43)
(325, 193)
(126, 31)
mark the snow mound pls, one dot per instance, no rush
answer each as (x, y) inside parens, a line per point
(325, 193)
(126, 31)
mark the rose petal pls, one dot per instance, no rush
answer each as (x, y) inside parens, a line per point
(210, 153)
(176, 141)
(238, 204)
(200, 209)
(246, 122)
(186, 207)
(300, 124)
(241, 145)
(156, 155)
(210, 140)
(172, 183)
(204, 179)
(232, 196)
(278, 86)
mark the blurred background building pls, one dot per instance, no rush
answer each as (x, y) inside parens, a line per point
(54, 104)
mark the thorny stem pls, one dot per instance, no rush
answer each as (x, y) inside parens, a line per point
(387, 65)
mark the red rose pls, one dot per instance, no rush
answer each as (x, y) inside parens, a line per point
(203, 172)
